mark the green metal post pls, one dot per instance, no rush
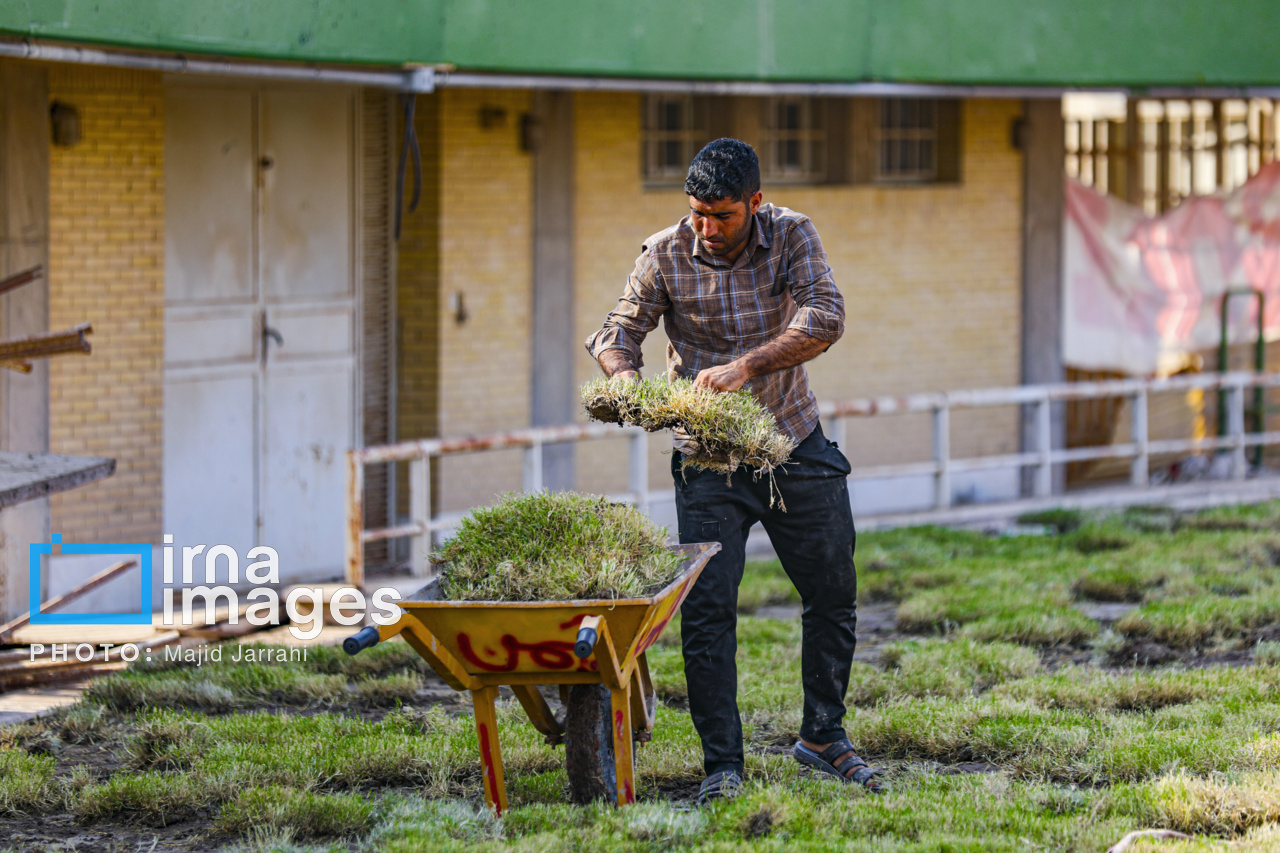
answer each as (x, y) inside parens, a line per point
(1259, 364)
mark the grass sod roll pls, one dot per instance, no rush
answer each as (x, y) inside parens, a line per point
(555, 546)
(727, 430)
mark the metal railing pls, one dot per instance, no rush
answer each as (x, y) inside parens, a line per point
(423, 524)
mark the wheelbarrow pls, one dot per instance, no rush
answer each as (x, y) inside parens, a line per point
(593, 650)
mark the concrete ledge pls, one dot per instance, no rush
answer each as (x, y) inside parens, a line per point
(1201, 494)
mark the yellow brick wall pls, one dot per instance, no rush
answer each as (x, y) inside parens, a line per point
(931, 277)
(486, 255)
(106, 267)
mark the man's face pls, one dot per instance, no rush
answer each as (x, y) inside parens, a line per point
(723, 226)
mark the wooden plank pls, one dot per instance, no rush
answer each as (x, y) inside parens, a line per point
(222, 630)
(99, 656)
(306, 607)
(18, 279)
(45, 344)
(10, 680)
(28, 476)
(92, 634)
(42, 670)
(69, 596)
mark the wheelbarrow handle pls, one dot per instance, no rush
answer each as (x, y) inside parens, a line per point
(365, 638)
(586, 642)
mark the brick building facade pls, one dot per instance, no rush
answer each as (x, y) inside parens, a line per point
(925, 314)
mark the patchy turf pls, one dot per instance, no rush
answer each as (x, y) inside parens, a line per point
(1009, 718)
(724, 430)
(555, 546)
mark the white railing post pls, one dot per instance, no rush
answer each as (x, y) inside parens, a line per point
(420, 514)
(638, 482)
(1044, 447)
(533, 467)
(839, 431)
(942, 455)
(1235, 429)
(1139, 470)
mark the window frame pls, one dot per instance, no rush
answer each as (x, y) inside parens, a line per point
(693, 133)
(810, 138)
(907, 135)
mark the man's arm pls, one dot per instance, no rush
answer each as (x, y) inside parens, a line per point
(617, 345)
(790, 348)
(818, 323)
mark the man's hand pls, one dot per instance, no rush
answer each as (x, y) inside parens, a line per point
(790, 348)
(726, 377)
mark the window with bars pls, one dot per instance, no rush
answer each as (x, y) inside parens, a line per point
(1156, 153)
(675, 128)
(907, 140)
(795, 140)
(808, 140)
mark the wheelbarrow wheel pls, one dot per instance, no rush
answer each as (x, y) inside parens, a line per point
(588, 744)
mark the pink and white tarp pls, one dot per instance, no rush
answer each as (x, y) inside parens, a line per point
(1143, 294)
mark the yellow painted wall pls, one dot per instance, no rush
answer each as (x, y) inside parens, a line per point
(486, 256)
(931, 277)
(106, 267)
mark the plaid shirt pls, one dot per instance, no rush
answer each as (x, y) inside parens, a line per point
(715, 312)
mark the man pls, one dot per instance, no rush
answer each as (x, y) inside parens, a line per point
(747, 297)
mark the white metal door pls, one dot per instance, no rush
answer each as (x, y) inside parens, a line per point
(260, 320)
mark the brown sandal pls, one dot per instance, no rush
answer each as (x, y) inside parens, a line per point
(840, 760)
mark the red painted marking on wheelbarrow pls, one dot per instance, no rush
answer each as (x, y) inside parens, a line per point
(573, 623)
(549, 654)
(486, 758)
(618, 724)
(669, 610)
(655, 632)
(628, 795)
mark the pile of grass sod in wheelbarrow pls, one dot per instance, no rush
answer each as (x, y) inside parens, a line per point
(555, 546)
(727, 430)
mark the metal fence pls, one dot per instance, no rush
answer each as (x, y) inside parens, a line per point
(423, 523)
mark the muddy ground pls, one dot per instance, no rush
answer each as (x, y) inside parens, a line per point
(191, 833)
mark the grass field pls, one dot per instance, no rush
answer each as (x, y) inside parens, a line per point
(1034, 692)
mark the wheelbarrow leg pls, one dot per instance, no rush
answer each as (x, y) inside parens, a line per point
(644, 701)
(623, 759)
(495, 788)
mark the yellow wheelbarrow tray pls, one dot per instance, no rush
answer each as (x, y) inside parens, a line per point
(483, 645)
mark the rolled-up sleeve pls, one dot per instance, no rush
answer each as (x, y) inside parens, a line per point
(820, 305)
(643, 302)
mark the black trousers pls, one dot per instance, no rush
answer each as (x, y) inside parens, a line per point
(814, 539)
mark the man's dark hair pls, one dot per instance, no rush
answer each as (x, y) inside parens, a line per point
(726, 168)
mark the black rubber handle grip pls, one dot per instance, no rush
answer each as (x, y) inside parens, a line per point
(365, 638)
(586, 643)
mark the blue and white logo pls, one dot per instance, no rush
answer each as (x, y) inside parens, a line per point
(132, 549)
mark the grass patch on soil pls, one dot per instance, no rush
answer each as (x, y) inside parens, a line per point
(555, 546)
(727, 430)
(302, 815)
(1194, 621)
(992, 742)
(26, 781)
